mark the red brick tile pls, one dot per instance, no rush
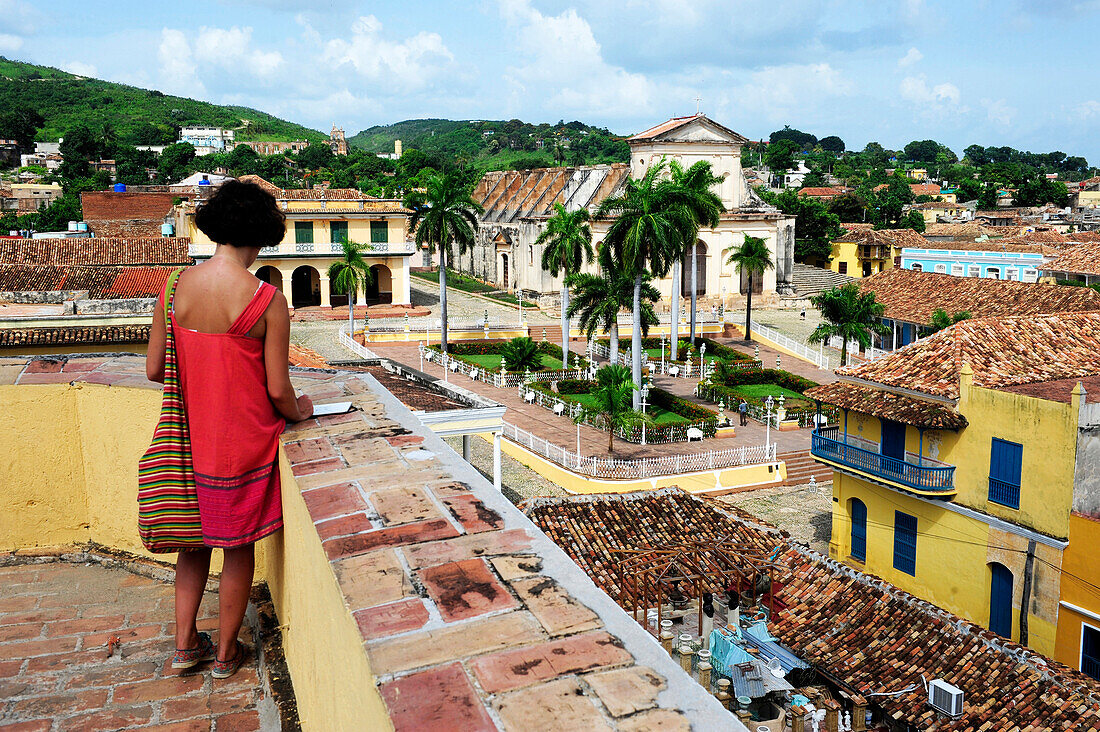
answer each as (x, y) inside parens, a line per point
(37, 725)
(356, 523)
(155, 690)
(334, 500)
(20, 632)
(318, 466)
(46, 378)
(128, 635)
(83, 364)
(304, 451)
(525, 666)
(15, 604)
(391, 619)
(403, 505)
(27, 649)
(80, 626)
(111, 675)
(465, 589)
(110, 719)
(10, 668)
(44, 366)
(438, 699)
(192, 725)
(59, 704)
(392, 536)
(474, 515)
(206, 705)
(479, 545)
(403, 440)
(240, 722)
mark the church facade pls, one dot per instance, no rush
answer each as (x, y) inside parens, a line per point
(518, 203)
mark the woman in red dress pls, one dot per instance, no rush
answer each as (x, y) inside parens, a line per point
(232, 335)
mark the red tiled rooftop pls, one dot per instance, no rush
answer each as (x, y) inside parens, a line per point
(889, 405)
(96, 251)
(1083, 259)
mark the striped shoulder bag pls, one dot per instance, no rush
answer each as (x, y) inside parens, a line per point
(168, 505)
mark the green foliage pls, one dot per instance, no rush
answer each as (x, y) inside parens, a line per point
(913, 220)
(987, 199)
(597, 300)
(20, 123)
(457, 280)
(567, 241)
(815, 226)
(779, 156)
(849, 313)
(612, 401)
(350, 273)
(520, 354)
(849, 208)
(941, 320)
(802, 140)
(576, 386)
(1038, 191)
(928, 151)
(832, 144)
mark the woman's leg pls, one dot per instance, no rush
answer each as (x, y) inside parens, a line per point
(236, 584)
(192, 568)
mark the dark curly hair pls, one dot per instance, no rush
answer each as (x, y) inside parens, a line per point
(241, 215)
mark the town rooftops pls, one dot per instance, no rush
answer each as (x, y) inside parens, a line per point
(925, 189)
(665, 130)
(911, 297)
(86, 335)
(1083, 259)
(885, 237)
(955, 231)
(823, 191)
(101, 283)
(96, 251)
(1002, 352)
(510, 195)
(870, 638)
(889, 405)
(987, 245)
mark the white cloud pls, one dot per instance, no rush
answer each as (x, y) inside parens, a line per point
(411, 63)
(915, 89)
(79, 68)
(910, 58)
(780, 93)
(998, 111)
(562, 65)
(1087, 109)
(10, 43)
(231, 48)
(178, 71)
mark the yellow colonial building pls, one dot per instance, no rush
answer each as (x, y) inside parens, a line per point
(863, 251)
(958, 461)
(317, 221)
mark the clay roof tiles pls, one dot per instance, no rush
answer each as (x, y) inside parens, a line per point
(867, 635)
(912, 297)
(889, 405)
(1001, 351)
(74, 335)
(678, 122)
(1081, 259)
(96, 251)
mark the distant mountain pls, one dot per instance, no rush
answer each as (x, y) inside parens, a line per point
(128, 114)
(498, 144)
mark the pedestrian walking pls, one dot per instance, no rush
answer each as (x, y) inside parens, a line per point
(743, 411)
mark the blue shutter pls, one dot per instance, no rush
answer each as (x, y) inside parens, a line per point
(905, 543)
(1005, 461)
(1090, 651)
(1000, 600)
(859, 530)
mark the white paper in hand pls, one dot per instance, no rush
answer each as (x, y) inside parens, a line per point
(321, 410)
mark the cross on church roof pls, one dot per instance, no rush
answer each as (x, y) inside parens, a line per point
(698, 99)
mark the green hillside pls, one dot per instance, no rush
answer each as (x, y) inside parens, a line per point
(498, 144)
(133, 116)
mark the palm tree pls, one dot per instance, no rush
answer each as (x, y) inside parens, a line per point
(941, 320)
(612, 402)
(598, 300)
(568, 240)
(651, 222)
(698, 183)
(751, 257)
(849, 313)
(348, 274)
(444, 215)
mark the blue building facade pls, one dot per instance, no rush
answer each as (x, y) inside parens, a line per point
(992, 263)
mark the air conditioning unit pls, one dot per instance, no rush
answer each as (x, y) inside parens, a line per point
(945, 698)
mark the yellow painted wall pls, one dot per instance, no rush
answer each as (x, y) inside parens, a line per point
(953, 556)
(1080, 566)
(702, 482)
(1088, 199)
(358, 228)
(56, 350)
(333, 684)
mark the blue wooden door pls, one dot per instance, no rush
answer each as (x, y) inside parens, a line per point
(1000, 600)
(893, 445)
(859, 530)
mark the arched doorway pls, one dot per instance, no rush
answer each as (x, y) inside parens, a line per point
(270, 275)
(858, 510)
(305, 287)
(1000, 599)
(700, 272)
(380, 288)
(505, 280)
(337, 301)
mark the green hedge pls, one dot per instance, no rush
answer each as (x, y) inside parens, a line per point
(576, 386)
(493, 348)
(714, 348)
(769, 376)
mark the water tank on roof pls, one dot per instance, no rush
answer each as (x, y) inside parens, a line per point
(204, 182)
(72, 226)
(120, 187)
(168, 229)
(82, 226)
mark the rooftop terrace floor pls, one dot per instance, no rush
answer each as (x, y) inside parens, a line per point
(56, 673)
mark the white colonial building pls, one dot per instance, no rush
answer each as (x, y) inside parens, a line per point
(518, 203)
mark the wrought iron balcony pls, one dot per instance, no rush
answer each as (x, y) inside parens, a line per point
(933, 478)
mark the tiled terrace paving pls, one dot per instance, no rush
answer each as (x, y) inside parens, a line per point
(404, 584)
(56, 621)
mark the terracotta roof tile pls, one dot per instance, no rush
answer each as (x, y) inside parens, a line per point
(74, 335)
(869, 636)
(96, 251)
(1081, 259)
(677, 122)
(889, 405)
(1001, 351)
(100, 282)
(912, 297)
(886, 237)
(823, 191)
(925, 189)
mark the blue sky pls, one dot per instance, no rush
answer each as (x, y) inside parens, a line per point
(1013, 72)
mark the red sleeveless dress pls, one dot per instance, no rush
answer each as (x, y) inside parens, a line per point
(234, 428)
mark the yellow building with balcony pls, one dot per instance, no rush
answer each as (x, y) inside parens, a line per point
(956, 467)
(317, 221)
(862, 252)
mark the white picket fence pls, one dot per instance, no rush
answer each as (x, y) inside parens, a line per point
(818, 357)
(352, 345)
(612, 469)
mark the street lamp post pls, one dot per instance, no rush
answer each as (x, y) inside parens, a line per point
(769, 403)
(702, 352)
(663, 369)
(645, 396)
